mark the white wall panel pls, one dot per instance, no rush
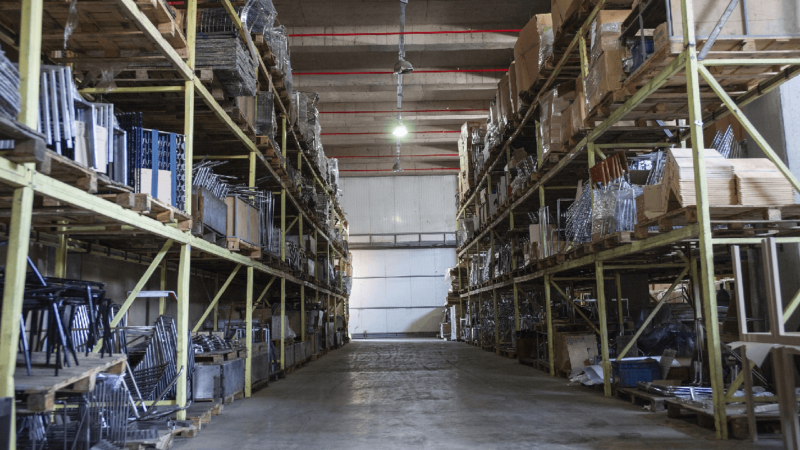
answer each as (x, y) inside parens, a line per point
(377, 205)
(403, 290)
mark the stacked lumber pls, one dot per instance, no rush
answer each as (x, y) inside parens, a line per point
(679, 178)
(759, 182)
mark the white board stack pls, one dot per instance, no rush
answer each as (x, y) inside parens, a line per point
(759, 182)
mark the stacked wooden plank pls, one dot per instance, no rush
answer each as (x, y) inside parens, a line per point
(759, 182)
(679, 178)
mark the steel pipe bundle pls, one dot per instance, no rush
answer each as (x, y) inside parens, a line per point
(9, 88)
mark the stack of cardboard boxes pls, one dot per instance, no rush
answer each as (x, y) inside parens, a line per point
(466, 156)
(605, 61)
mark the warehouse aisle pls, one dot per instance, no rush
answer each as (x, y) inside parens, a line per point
(433, 394)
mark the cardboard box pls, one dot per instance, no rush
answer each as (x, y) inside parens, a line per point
(660, 36)
(605, 76)
(566, 124)
(579, 109)
(533, 232)
(562, 10)
(504, 112)
(517, 156)
(527, 51)
(766, 18)
(605, 31)
(573, 351)
(242, 221)
(512, 86)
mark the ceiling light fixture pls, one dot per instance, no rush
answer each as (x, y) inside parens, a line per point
(402, 67)
(400, 130)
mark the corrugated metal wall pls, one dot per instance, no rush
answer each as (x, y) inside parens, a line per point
(377, 205)
(399, 291)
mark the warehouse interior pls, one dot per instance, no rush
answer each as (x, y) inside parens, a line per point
(399, 224)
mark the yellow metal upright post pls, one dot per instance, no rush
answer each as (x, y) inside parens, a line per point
(162, 301)
(496, 327)
(302, 286)
(61, 257)
(216, 305)
(188, 120)
(618, 284)
(549, 311)
(30, 54)
(601, 309)
(30, 50)
(16, 268)
(708, 294)
(248, 336)
(184, 273)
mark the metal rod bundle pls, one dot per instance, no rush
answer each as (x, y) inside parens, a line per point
(9, 88)
(151, 155)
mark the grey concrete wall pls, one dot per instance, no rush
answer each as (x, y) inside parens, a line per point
(775, 116)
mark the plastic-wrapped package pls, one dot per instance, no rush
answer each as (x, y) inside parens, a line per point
(9, 88)
(551, 107)
(232, 63)
(72, 21)
(546, 45)
(266, 121)
(256, 16)
(605, 31)
(615, 208)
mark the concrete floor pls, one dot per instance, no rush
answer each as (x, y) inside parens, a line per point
(431, 394)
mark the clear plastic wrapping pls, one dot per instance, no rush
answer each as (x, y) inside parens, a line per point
(232, 63)
(256, 16)
(72, 21)
(546, 37)
(615, 208)
(9, 88)
(551, 107)
(266, 121)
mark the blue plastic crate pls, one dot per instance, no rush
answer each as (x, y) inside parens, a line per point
(636, 52)
(628, 373)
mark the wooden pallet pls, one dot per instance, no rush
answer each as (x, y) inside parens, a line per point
(770, 219)
(40, 388)
(507, 352)
(147, 205)
(736, 418)
(245, 248)
(635, 396)
(200, 413)
(103, 30)
(217, 356)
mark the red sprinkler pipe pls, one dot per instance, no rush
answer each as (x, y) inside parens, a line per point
(390, 170)
(405, 33)
(389, 72)
(386, 132)
(395, 156)
(404, 112)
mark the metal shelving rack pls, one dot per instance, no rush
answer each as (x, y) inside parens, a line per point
(22, 184)
(675, 252)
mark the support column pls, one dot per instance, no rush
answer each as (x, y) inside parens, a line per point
(549, 311)
(216, 306)
(601, 308)
(708, 293)
(184, 273)
(16, 268)
(61, 257)
(162, 301)
(496, 327)
(188, 121)
(248, 336)
(618, 285)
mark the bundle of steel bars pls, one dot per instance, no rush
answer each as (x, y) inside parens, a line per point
(231, 62)
(9, 88)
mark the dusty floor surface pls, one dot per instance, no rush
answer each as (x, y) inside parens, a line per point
(431, 394)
